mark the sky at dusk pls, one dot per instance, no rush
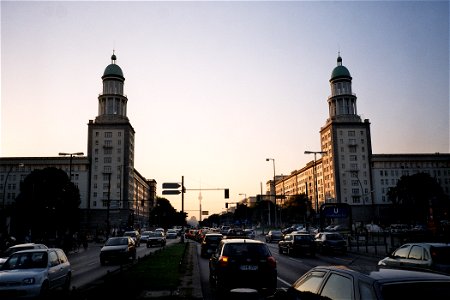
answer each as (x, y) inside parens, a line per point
(215, 88)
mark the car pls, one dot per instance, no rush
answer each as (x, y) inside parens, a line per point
(144, 236)
(243, 263)
(274, 236)
(340, 282)
(249, 233)
(327, 242)
(171, 234)
(19, 247)
(429, 256)
(297, 243)
(209, 244)
(33, 273)
(118, 249)
(135, 235)
(156, 238)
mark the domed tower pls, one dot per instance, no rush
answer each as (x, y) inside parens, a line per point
(347, 142)
(342, 102)
(111, 153)
(112, 102)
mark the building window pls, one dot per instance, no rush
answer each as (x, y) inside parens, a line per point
(351, 133)
(108, 134)
(107, 160)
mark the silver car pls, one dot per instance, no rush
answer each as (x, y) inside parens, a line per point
(430, 256)
(32, 273)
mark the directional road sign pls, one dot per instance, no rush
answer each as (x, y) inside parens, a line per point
(171, 185)
(171, 192)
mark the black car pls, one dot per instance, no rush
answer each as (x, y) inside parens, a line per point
(243, 263)
(339, 282)
(297, 244)
(210, 243)
(118, 249)
(274, 236)
(327, 242)
(429, 256)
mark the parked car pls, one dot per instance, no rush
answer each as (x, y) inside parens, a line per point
(171, 234)
(33, 273)
(135, 235)
(274, 236)
(297, 243)
(330, 242)
(13, 249)
(243, 263)
(210, 243)
(118, 249)
(156, 238)
(340, 282)
(430, 256)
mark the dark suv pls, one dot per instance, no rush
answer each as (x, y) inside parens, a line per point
(243, 263)
(297, 243)
(210, 243)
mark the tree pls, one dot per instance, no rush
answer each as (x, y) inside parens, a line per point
(298, 209)
(164, 214)
(47, 206)
(418, 198)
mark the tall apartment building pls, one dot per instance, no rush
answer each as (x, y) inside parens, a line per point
(348, 171)
(112, 191)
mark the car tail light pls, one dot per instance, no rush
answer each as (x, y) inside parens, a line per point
(223, 261)
(272, 262)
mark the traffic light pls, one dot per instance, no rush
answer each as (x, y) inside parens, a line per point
(227, 194)
(226, 204)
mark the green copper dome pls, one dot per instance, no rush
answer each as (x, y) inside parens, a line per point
(340, 71)
(113, 69)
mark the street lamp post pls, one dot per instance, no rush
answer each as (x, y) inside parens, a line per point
(315, 176)
(274, 190)
(70, 162)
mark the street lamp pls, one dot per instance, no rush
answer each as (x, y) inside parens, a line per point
(274, 190)
(70, 163)
(6, 181)
(315, 176)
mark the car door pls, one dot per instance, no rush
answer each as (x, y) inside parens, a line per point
(54, 269)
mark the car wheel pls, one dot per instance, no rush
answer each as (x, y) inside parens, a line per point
(44, 290)
(66, 286)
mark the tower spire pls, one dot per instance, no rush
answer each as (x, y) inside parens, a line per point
(113, 57)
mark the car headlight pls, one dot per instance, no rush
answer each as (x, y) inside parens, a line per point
(28, 281)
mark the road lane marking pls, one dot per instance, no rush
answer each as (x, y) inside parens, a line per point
(284, 281)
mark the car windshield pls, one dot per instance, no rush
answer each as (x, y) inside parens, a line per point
(416, 290)
(303, 237)
(276, 232)
(440, 255)
(155, 234)
(146, 233)
(246, 250)
(28, 260)
(116, 241)
(213, 238)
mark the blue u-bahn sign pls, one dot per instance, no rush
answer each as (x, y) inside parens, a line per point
(335, 211)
